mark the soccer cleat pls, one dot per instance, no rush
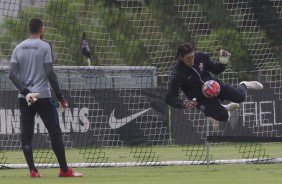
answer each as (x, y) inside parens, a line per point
(231, 106)
(35, 174)
(254, 85)
(69, 173)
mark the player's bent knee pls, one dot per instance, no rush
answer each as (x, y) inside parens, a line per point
(222, 116)
(26, 141)
(225, 117)
(27, 147)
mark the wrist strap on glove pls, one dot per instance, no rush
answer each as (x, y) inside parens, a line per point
(59, 97)
(25, 92)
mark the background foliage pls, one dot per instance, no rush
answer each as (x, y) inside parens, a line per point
(67, 20)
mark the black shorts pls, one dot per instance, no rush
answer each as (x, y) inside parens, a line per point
(213, 107)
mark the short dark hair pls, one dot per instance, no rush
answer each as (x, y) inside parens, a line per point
(35, 25)
(184, 49)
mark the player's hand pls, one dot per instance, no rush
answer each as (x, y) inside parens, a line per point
(31, 98)
(224, 56)
(63, 105)
(190, 104)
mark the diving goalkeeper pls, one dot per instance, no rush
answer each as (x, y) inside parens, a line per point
(31, 71)
(191, 71)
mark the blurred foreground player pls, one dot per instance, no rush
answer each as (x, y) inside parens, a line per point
(191, 71)
(31, 71)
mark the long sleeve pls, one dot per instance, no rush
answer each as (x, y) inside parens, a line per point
(52, 77)
(173, 93)
(50, 72)
(13, 76)
(14, 71)
(211, 66)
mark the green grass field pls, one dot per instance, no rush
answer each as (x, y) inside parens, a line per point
(147, 153)
(216, 174)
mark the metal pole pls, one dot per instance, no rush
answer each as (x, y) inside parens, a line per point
(207, 144)
(170, 125)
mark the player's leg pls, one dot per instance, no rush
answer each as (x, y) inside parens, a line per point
(238, 94)
(27, 130)
(213, 109)
(233, 94)
(229, 107)
(49, 115)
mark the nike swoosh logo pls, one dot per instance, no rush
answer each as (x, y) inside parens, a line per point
(189, 77)
(117, 123)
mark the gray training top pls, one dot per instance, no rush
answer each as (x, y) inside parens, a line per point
(31, 67)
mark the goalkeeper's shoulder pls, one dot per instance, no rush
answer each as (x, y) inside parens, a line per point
(203, 56)
(46, 44)
(20, 45)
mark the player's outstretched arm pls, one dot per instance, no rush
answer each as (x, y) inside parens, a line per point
(211, 66)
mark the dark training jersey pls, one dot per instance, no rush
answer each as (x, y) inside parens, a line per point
(190, 80)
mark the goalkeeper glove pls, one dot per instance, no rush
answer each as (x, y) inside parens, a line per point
(190, 104)
(31, 98)
(224, 56)
(63, 104)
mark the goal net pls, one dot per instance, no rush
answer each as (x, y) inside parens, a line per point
(114, 58)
